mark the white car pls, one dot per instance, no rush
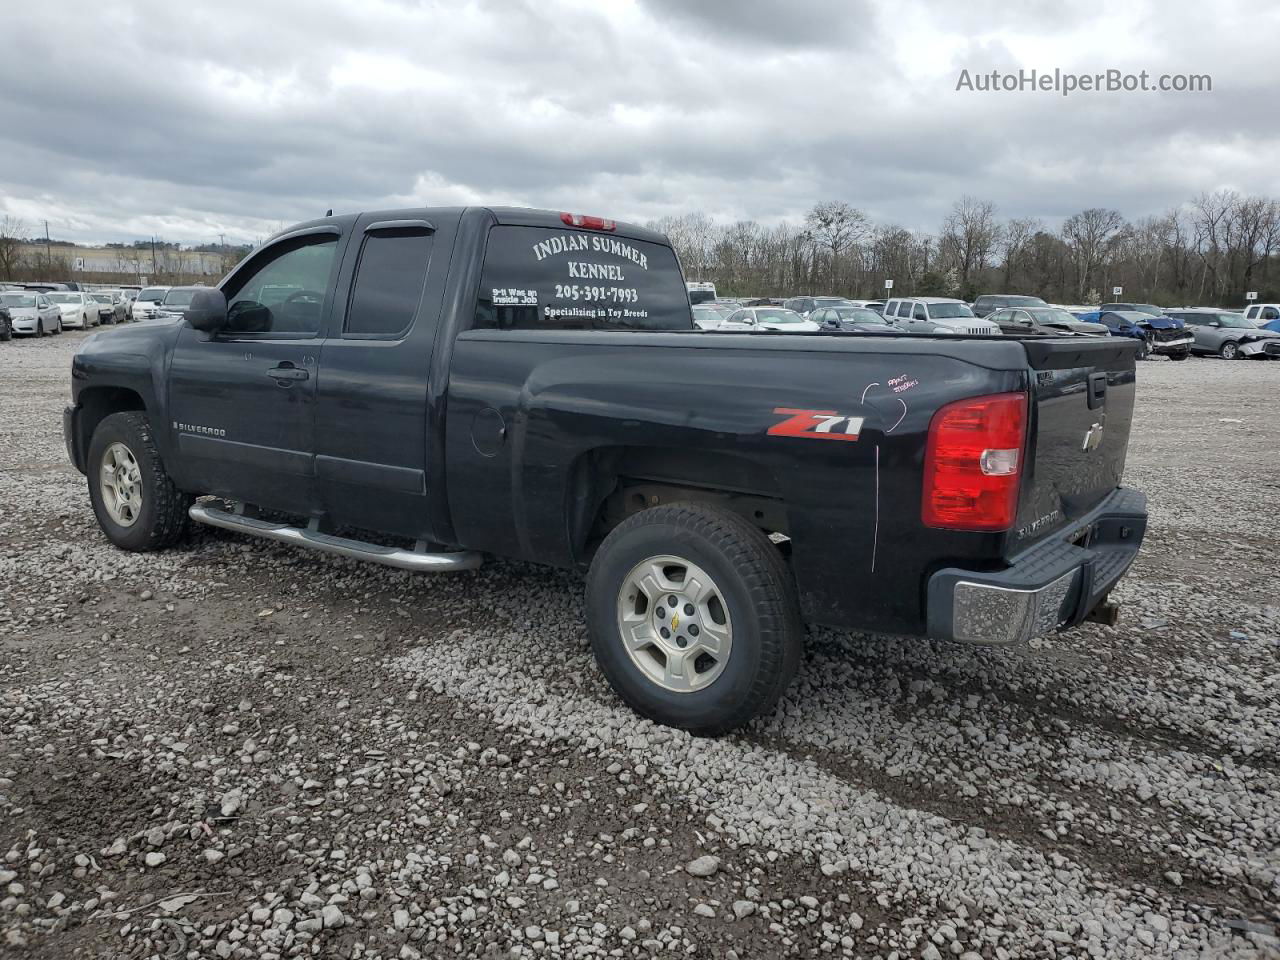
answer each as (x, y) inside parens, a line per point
(31, 312)
(148, 304)
(915, 313)
(79, 310)
(775, 319)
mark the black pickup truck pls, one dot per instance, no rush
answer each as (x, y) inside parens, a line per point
(423, 387)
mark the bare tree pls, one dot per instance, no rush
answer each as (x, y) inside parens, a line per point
(969, 235)
(1014, 238)
(835, 227)
(12, 233)
(1090, 234)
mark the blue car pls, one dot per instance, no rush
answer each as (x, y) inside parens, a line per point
(1159, 335)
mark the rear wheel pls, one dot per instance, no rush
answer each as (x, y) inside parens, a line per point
(1229, 350)
(693, 617)
(58, 327)
(136, 503)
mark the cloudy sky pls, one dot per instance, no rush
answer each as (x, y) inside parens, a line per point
(189, 120)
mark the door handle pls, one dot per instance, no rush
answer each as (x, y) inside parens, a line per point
(287, 373)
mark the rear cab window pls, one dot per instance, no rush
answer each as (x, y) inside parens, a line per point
(542, 278)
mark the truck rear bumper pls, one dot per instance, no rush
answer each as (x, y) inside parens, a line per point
(1054, 585)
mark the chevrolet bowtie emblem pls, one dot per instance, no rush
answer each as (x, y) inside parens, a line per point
(675, 622)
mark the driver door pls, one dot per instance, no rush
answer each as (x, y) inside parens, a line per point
(242, 401)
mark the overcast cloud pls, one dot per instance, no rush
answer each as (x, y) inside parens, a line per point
(188, 121)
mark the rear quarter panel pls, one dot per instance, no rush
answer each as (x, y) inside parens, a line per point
(526, 407)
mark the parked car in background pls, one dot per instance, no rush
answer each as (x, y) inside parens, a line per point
(147, 306)
(1049, 320)
(119, 305)
(79, 310)
(1149, 308)
(777, 319)
(851, 320)
(989, 302)
(1158, 335)
(915, 313)
(106, 306)
(31, 312)
(1265, 316)
(709, 316)
(1227, 334)
(806, 305)
(177, 299)
(700, 291)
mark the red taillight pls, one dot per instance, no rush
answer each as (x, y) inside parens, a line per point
(972, 463)
(587, 223)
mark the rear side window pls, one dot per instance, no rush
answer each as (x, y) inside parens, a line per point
(540, 278)
(388, 283)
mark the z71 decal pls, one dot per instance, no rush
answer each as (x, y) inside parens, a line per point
(817, 424)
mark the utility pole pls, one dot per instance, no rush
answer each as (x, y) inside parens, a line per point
(48, 251)
(153, 254)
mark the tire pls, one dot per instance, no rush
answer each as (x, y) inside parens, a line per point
(751, 591)
(58, 329)
(1179, 356)
(39, 328)
(1230, 350)
(1144, 349)
(159, 508)
(6, 331)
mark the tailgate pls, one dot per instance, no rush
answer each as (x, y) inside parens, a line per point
(1082, 393)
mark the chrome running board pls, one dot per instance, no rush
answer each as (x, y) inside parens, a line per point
(419, 560)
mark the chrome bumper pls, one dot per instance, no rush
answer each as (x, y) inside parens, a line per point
(1055, 584)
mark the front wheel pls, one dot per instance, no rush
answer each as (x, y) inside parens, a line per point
(136, 503)
(1179, 356)
(1229, 350)
(39, 328)
(1144, 349)
(693, 617)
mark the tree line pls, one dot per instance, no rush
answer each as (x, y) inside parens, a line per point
(1210, 251)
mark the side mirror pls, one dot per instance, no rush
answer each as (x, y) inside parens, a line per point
(208, 311)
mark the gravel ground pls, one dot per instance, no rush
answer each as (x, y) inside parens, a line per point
(242, 750)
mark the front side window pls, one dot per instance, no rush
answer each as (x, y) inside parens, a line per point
(542, 278)
(919, 312)
(388, 283)
(285, 292)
